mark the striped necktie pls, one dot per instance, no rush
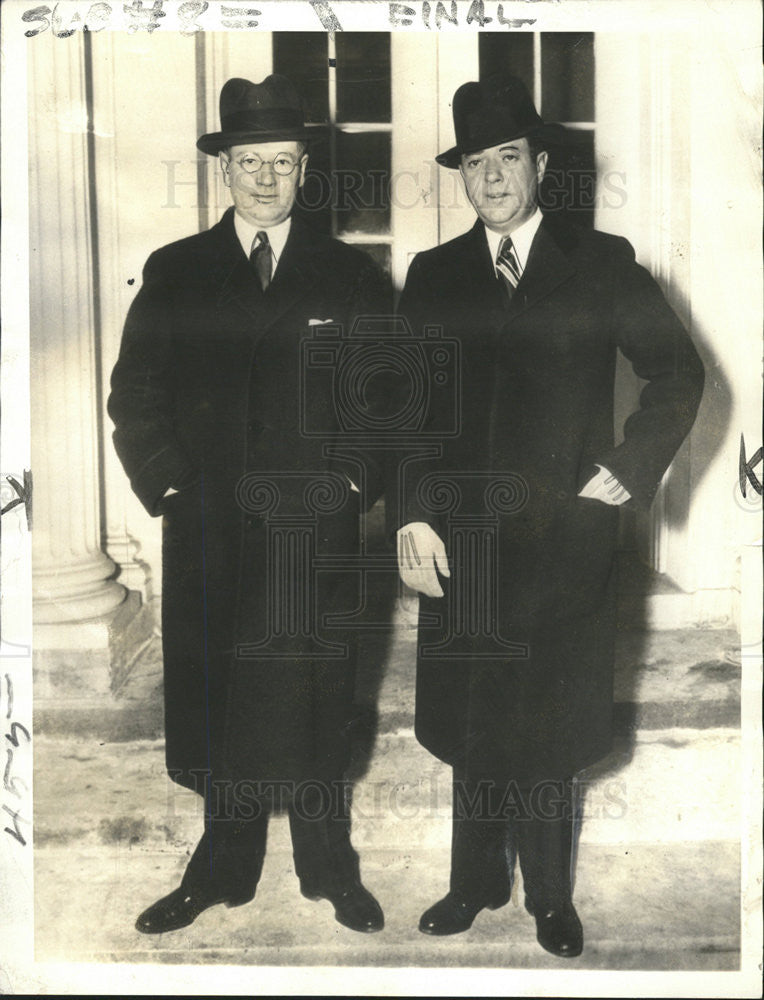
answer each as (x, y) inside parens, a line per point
(508, 265)
(261, 259)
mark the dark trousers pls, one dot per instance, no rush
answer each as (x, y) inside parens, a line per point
(496, 822)
(228, 859)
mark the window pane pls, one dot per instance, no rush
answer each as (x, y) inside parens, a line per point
(363, 76)
(362, 182)
(303, 57)
(567, 77)
(507, 52)
(569, 185)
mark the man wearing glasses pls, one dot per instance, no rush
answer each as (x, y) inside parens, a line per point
(215, 436)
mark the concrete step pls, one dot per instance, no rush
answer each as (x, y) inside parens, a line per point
(661, 910)
(676, 677)
(658, 864)
(672, 785)
(669, 777)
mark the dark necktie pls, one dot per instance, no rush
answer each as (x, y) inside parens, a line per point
(508, 265)
(261, 259)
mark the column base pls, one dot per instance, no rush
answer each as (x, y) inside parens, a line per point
(81, 667)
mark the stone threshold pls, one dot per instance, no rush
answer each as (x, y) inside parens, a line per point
(651, 907)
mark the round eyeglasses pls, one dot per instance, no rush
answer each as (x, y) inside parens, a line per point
(282, 163)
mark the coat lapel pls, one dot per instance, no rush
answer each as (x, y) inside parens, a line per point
(548, 266)
(300, 268)
(476, 277)
(296, 273)
(233, 275)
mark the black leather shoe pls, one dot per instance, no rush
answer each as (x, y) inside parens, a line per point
(180, 909)
(354, 907)
(558, 929)
(454, 914)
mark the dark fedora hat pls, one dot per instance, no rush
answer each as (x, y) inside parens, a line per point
(256, 112)
(495, 110)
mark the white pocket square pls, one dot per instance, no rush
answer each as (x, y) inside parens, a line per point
(319, 322)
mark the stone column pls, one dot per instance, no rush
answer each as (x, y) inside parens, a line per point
(74, 593)
(115, 268)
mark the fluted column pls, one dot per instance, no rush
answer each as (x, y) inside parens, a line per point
(114, 296)
(71, 573)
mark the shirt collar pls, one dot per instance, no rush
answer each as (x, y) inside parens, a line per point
(277, 235)
(522, 237)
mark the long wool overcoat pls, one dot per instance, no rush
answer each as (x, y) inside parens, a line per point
(515, 663)
(214, 393)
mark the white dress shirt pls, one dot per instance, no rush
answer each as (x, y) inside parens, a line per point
(522, 237)
(277, 236)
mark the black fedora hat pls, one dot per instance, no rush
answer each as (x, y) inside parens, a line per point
(256, 112)
(495, 110)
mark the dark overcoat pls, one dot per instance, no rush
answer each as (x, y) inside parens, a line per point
(515, 663)
(214, 394)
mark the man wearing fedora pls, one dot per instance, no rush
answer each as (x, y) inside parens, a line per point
(516, 629)
(215, 437)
